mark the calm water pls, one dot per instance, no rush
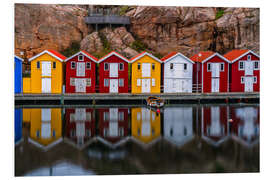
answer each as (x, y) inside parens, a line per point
(136, 140)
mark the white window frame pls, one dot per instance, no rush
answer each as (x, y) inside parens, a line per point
(242, 79)
(81, 56)
(138, 82)
(243, 66)
(106, 84)
(121, 84)
(223, 67)
(72, 81)
(209, 70)
(88, 82)
(72, 62)
(255, 79)
(105, 66)
(153, 82)
(249, 57)
(89, 64)
(120, 66)
(258, 65)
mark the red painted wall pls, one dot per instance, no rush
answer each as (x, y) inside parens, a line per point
(106, 75)
(235, 84)
(71, 73)
(105, 124)
(207, 76)
(71, 125)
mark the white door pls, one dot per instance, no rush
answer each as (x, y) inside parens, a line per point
(215, 69)
(46, 68)
(46, 85)
(146, 123)
(248, 68)
(113, 124)
(80, 71)
(146, 70)
(80, 85)
(113, 85)
(45, 123)
(113, 69)
(215, 85)
(249, 84)
(184, 85)
(146, 85)
(80, 114)
(216, 127)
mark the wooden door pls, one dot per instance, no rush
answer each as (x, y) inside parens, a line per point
(249, 84)
(146, 85)
(46, 68)
(80, 71)
(113, 124)
(215, 69)
(45, 123)
(215, 85)
(146, 123)
(248, 68)
(146, 70)
(46, 85)
(113, 69)
(215, 127)
(113, 85)
(80, 85)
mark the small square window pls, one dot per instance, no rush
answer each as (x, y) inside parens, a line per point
(38, 65)
(73, 65)
(171, 65)
(88, 65)
(121, 116)
(139, 66)
(121, 66)
(185, 66)
(256, 65)
(80, 58)
(72, 81)
(54, 65)
(249, 57)
(106, 66)
(222, 67)
(106, 82)
(121, 132)
(121, 82)
(88, 82)
(255, 79)
(209, 67)
(242, 80)
(138, 82)
(153, 66)
(153, 82)
(38, 134)
(241, 65)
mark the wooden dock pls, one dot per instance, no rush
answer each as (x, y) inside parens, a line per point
(128, 98)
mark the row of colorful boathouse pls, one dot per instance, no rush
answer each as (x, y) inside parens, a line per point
(207, 71)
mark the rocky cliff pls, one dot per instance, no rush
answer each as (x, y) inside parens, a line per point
(158, 30)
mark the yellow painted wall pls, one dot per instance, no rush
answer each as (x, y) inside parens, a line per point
(26, 85)
(137, 74)
(34, 117)
(56, 74)
(136, 125)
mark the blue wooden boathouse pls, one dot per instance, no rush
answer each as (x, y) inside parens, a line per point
(18, 74)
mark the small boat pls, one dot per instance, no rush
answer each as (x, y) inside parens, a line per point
(153, 101)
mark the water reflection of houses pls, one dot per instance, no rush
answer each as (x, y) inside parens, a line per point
(145, 126)
(178, 125)
(245, 125)
(45, 126)
(80, 126)
(18, 125)
(215, 124)
(113, 126)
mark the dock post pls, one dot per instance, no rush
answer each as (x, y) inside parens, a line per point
(62, 99)
(94, 101)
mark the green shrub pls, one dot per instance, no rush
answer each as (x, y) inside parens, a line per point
(219, 14)
(74, 48)
(123, 10)
(138, 46)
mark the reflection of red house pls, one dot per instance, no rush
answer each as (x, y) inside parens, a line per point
(80, 126)
(113, 125)
(212, 70)
(113, 73)
(215, 129)
(244, 70)
(245, 126)
(81, 73)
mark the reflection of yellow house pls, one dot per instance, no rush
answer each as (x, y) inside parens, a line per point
(145, 125)
(45, 126)
(146, 74)
(46, 73)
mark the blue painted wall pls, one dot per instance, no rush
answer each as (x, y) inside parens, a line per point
(18, 75)
(18, 124)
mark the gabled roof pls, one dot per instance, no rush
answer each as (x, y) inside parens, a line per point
(113, 53)
(19, 58)
(135, 58)
(237, 54)
(53, 53)
(174, 54)
(205, 56)
(85, 54)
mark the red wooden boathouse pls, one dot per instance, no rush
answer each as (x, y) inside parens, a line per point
(244, 71)
(113, 73)
(81, 73)
(212, 71)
